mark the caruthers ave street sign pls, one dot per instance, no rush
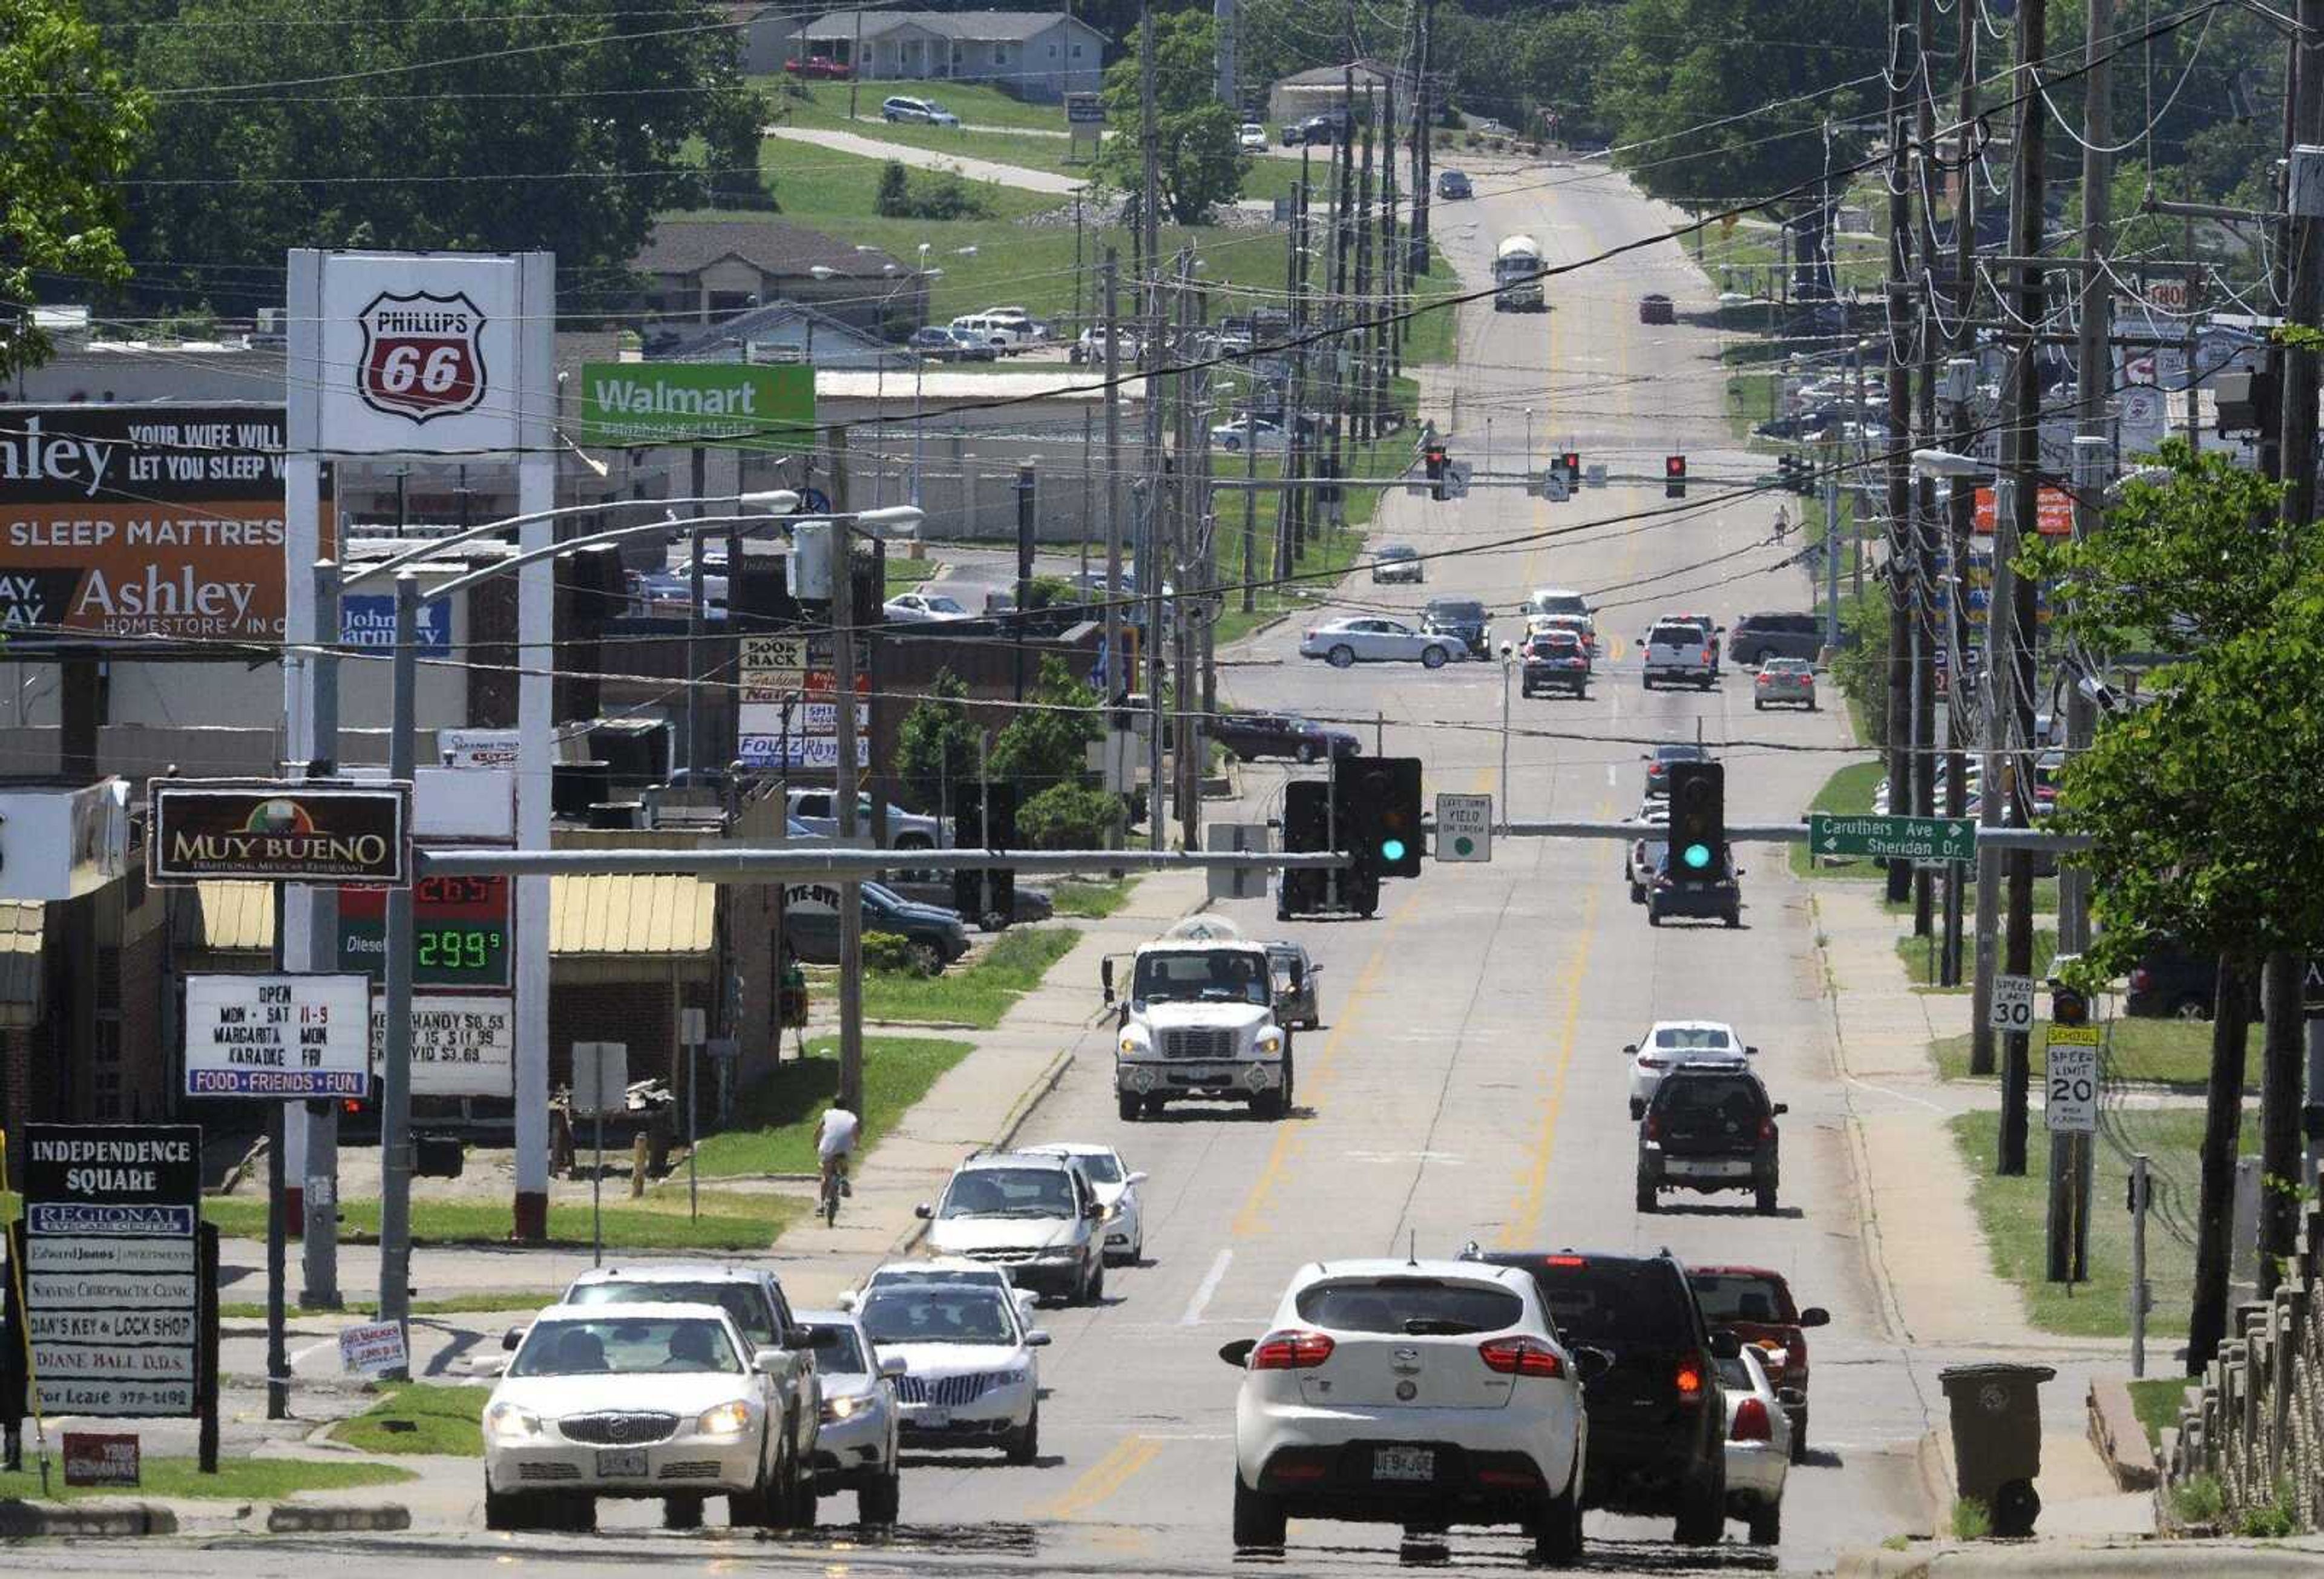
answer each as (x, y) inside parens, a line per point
(1908, 838)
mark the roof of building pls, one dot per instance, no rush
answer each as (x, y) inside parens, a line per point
(687, 247)
(969, 26)
(654, 914)
(1334, 76)
(762, 322)
(21, 922)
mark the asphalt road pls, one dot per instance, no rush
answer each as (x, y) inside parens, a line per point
(1469, 1082)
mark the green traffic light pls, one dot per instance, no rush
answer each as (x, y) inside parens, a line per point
(1698, 857)
(1392, 850)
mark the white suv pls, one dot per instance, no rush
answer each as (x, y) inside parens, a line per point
(1033, 1214)
(926, 111)
(1412, 1393)
(1681, 653)
(970, 1373)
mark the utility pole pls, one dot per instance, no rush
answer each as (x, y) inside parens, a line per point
(1343, 153)
(1961, 521)
(1423, 156)
(1149, 351)
(851, 890)
(1386, 272)
(1118, 675)
(2010, 652)
(1186, 758)
(1367, 339)
(1292, 511)
(1924, 546)
(1903, 73)
(1222, 20)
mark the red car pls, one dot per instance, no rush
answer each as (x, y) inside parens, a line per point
(821, 68)
(1756, 1304)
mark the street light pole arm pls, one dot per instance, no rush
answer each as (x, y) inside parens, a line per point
(356, 576)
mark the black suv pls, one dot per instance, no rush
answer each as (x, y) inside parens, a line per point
(1712, 896)
(1708, 1129)
(1657, 1418)
(1462, 618)
(1756, 638)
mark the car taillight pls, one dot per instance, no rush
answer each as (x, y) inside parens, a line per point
(1767, 1129)
(1563, 1260)
(1654, 1130)
(1689, 1380)
(1645, 1062)
(1765, 679)
(1751, 1424)
(1520, 1357)
(1291, 1351)
(2141, 979)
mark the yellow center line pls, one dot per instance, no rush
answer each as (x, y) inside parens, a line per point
(1519, 1233)
(1108, 1476)
(1248, 1222)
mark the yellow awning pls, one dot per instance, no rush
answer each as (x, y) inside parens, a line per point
(21, 922)
(659, 914)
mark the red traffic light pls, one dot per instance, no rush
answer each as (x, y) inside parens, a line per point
(1571, 461)
(1674, 477)
(1674, 466)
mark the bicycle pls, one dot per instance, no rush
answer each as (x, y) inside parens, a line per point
(834, 1185)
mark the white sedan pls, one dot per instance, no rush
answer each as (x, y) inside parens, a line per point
(921, 608)
(1117, 1192)
(1372, 640)
(1706, 1044)
(1256, 432)
(1758, 1446)
(1411, 1392)
(648, 1400)
(945, 1268)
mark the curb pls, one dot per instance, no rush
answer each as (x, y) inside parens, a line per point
(1879, 1563)
(2119, 1436)
(97, 1520)
(331, 1519)
(1932, 1462)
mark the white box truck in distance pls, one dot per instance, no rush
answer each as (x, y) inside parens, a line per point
(1516, 274)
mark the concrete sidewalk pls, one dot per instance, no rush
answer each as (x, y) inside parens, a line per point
(1928, 1253)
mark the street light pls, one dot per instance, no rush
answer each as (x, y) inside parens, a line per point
(1505, 653)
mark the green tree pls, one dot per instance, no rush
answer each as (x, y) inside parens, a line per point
(893, 200)
(1199, 165)
(1071, 816)
(566, 129)
(1043, 745)
(732, 130)
(72, 129)
(935, 747)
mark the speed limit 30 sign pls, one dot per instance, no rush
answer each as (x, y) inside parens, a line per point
(2012, 1007)
(2071, 1080)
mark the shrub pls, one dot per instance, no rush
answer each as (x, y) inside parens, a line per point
(1069, 817)
(893, 200)
(889, 955)
(1971, 1519)
(2197, 1499)
(937, 195)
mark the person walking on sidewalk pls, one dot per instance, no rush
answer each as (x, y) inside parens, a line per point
(834, 1142)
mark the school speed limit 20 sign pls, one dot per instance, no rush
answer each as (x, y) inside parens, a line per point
(2071, 1080)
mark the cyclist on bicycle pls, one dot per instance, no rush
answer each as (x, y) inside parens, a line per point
(834, 1142)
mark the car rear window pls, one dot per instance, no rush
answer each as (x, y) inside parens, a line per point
(1739, 1297)
(1734, 1095)
(1676, 635)
(1596, 1300)
(1457, 611)
(1692, 1039)
(1416, 1307)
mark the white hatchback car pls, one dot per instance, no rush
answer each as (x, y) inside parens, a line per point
(970, 1373)
(662, 1401)
(1117, 1192)
(1706, 1044)
(1412, 1393)
(1758, 1446)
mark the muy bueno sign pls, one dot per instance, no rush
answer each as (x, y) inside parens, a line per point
(280, 833)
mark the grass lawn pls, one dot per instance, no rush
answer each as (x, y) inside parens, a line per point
(974, 104)
(975, 993)
(483, 1299)
(1849, 791)
(659, 1222)
(2164, 1052)
(2011, 1212)
(903, 575)
(1090, 900)
(1321, 561)
(2158, 1399)
(777, 1118)
(1919, 958)
(420, 1417)
(259, 1480)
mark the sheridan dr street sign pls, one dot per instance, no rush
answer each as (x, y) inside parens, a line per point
(1906, 839)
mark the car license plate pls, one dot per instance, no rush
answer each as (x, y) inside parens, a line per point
(619, 1462)
(1403, 1464)
(927, 1418)
(1719, 1170)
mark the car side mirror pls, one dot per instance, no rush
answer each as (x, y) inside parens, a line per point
(1093, 1210)
(769, 1362)
(1592, 1364)
(488, 1365)
(1038, 1338)
(1783, 1107)
(511, 1338)
(1314, 970)
(799, 1337)
(1135, 1178)
(1237, 1352)
(1631, 1048)
(1815, 1315)
(846, 1301)
(894, 1365)
(1105, 978)
(1726, 1345)
(923, 1211)
(1790, 1398)
(1750, 1051)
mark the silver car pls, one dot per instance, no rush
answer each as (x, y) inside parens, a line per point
(1758, 1445)
(1789, 680)
(1397, 562)
(855, 1446)
(1371, 640)
(1297, 1002)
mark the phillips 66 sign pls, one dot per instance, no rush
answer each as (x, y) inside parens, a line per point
(419, 351)
(423, 354)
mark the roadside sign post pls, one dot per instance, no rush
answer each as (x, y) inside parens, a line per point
(1464, 827)
(2138, 1289)
(2071, 1080)
(601, 1077)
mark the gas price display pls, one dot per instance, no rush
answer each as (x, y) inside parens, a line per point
(459, 931)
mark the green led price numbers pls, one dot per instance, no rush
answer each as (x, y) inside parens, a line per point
(457, 949)
(460, 931)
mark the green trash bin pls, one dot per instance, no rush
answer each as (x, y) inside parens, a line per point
(1997, 1425)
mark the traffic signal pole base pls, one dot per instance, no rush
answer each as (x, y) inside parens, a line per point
(531, 1224)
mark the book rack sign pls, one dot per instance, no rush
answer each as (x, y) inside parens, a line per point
(112, 1284)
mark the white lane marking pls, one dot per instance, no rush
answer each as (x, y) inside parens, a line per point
(1610, 782)
(1210, 1286)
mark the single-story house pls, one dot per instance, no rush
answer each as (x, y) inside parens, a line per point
(1039, 56)
(786, 331)
(1325, 88)
(702, 272)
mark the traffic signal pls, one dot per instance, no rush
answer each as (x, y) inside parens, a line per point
(1380, 797)
(984, 817)
(1698, 819)
(1432, 456)
(1571, 461)
(1674, 477)
(2067, 1006)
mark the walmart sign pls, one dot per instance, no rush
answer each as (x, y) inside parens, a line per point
(727, 403)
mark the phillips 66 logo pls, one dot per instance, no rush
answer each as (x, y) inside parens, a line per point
(422, 355)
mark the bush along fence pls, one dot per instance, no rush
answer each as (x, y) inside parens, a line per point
(2251, 1436)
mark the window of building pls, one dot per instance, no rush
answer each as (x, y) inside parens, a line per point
(1000, 55)
(1077, 51)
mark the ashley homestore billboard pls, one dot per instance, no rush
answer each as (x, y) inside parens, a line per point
(140, 522)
